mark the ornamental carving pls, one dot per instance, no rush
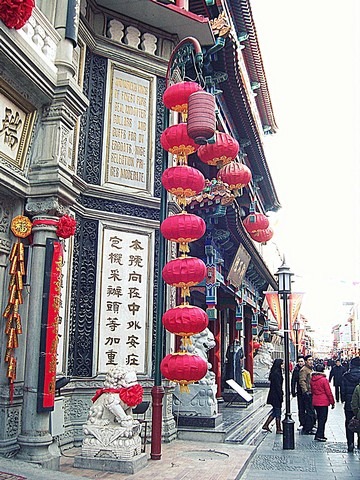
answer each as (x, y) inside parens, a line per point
(48, 206)
(12, 423)
(92, 121)
(82, 308)
(122, 208)
(159, 125)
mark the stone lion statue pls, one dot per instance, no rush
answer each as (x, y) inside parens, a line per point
(263, 362)
(110, 426)
(201, 344)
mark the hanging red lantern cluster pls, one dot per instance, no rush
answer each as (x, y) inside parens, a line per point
(185, 271)
(257, 225)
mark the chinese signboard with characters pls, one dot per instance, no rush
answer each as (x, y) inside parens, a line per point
(124, 302)
(16, 121)
(129, 131)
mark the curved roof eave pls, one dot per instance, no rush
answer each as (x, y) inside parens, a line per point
(244, 22)
(236, 99)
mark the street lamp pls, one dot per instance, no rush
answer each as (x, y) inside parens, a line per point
(296, 328)
(284, 288)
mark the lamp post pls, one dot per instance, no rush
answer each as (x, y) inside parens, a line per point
(296, 327)
(284, 289)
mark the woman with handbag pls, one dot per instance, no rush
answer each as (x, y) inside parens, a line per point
(355, 406)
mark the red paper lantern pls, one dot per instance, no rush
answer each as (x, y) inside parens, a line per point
(254, 222)
(263, 236)
(183, 181)
(15, 13)
(184, 272)
(223, 151)
(236, 175)
(201, 122)
(176, 97)
(176, 140)
(185, 320)
(183, 368)
(183, 228)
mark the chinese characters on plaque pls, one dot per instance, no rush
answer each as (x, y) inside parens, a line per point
(15, 127)
(123, 300)
(128, 135)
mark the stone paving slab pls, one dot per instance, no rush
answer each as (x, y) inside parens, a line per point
(181, 460)
(324, 461)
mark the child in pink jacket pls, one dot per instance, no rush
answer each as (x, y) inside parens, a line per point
(322, 397)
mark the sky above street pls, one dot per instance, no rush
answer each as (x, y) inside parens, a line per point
(311, 56)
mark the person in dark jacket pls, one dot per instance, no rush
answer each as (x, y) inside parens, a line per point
(322, 397)
(349, 381)
(275, 396)
(296, 390)
(336, 374)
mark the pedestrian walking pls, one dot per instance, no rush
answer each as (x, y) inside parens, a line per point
(275, 396)
(336, 374)
(296, 390)
(304, 381)
(322, 397)
(355, 405)
(350, 380)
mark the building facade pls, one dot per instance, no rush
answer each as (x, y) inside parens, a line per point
(81, 118)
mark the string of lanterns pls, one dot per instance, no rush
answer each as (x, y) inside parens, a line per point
(185, 271)
(195, 133)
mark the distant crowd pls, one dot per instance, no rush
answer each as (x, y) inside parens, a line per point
(311, 386)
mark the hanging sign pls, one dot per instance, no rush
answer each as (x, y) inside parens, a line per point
(273, 301)
(49, 325)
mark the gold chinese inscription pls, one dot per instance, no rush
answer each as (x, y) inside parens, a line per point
(21, 226)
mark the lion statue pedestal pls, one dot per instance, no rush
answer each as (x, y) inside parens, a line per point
(111, 436)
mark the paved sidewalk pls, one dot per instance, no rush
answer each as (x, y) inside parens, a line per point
(310, 459)
(185, 460)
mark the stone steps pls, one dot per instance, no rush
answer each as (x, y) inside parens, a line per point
(238, 426)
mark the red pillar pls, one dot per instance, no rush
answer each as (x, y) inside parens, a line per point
(214, 354)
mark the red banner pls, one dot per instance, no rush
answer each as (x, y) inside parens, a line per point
(273, 301)
(49, 325)
(295, 300)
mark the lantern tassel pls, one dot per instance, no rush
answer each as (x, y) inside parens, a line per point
(184, 388)
(184, 247)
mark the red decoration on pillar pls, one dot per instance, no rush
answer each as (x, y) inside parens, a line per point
(66, 226)
(15, 13)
